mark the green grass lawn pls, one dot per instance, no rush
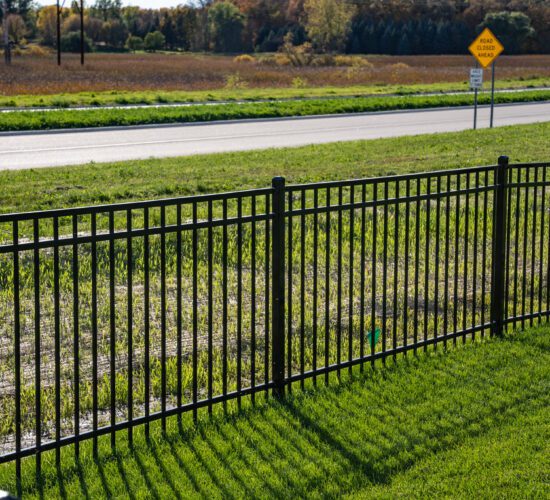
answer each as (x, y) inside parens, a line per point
(66, 119)
(118, 97)
(472, 421)
(39, 189)
(380, 432)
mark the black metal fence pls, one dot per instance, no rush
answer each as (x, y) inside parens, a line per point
(114, 316)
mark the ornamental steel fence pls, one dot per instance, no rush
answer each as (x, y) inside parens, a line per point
(115, 316)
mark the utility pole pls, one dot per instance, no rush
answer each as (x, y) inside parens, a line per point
(5, 27)
(58, 34)
(82, 32)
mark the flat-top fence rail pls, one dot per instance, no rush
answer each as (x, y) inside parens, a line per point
(114, 316)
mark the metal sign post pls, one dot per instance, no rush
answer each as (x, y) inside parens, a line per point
(475, 109)
(485, 48)
(492, 96)
(476, 83)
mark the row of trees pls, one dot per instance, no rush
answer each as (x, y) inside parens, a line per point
(355, 26)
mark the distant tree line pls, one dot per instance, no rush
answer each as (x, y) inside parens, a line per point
(229, 26)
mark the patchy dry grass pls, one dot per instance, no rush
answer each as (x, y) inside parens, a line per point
(172, 72)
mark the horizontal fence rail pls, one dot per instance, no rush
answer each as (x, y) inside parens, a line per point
(118, 315)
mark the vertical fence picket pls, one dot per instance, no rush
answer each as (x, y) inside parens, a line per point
(179, 313)
(17, 353)
(533, 250)
(525, 223)
(278, 284)
(210, 270)
(385, 273)
(350, 281)
(253, 244)
(474, 265)
(339, 282)
(427, 266)
(363, 265)
(416, 263)
(302, 286)
(239, 298)
(76, 338)
(456, 254)
(395, 270)
(38, 353)
(130, 310)
(112, 326)
(327, 284)
(446, 270)
(374, 270)
(146, 321)
(407, 259)
(499, 236)
(484, 253)
(163, 359)
(195, 300)
(95, 395)
(289, 306)
(315, 278)
(466, 253)
(436, 258)
(57, 339)
(541, 241)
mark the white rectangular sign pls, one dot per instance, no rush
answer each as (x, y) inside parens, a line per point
(476, 78)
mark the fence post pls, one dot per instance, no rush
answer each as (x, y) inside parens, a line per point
(278, 287)
(499, 246)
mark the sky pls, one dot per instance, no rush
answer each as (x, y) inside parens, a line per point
(141, 3)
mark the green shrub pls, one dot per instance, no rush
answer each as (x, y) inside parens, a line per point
(71, 42)
(134, 43)
(154, 41)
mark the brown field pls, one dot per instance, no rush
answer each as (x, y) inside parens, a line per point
(103, 72)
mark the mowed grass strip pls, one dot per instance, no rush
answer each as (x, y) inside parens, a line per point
(470, 421)
(125, 97)
(60, 187)
(67, 119)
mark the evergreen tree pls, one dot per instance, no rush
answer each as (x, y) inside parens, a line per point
(404, 47)
(388, 40)
(442, 40)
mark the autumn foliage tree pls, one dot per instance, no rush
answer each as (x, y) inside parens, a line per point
(328, 23)
(227, 23)
(352, 26)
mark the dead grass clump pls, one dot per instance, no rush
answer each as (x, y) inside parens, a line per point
(400, 66)
(244, 58)
(352, 61)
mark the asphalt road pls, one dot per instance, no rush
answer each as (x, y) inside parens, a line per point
(34, 150)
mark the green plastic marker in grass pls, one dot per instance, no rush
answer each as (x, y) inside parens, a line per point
(373, 341)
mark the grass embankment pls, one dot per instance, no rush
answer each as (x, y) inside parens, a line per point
(66, 119)
(121, 97)
(470, 422)
(47, 188)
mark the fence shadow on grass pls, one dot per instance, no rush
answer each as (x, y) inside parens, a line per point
(324, 441)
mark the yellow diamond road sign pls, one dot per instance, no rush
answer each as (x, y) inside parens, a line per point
(486, 48)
